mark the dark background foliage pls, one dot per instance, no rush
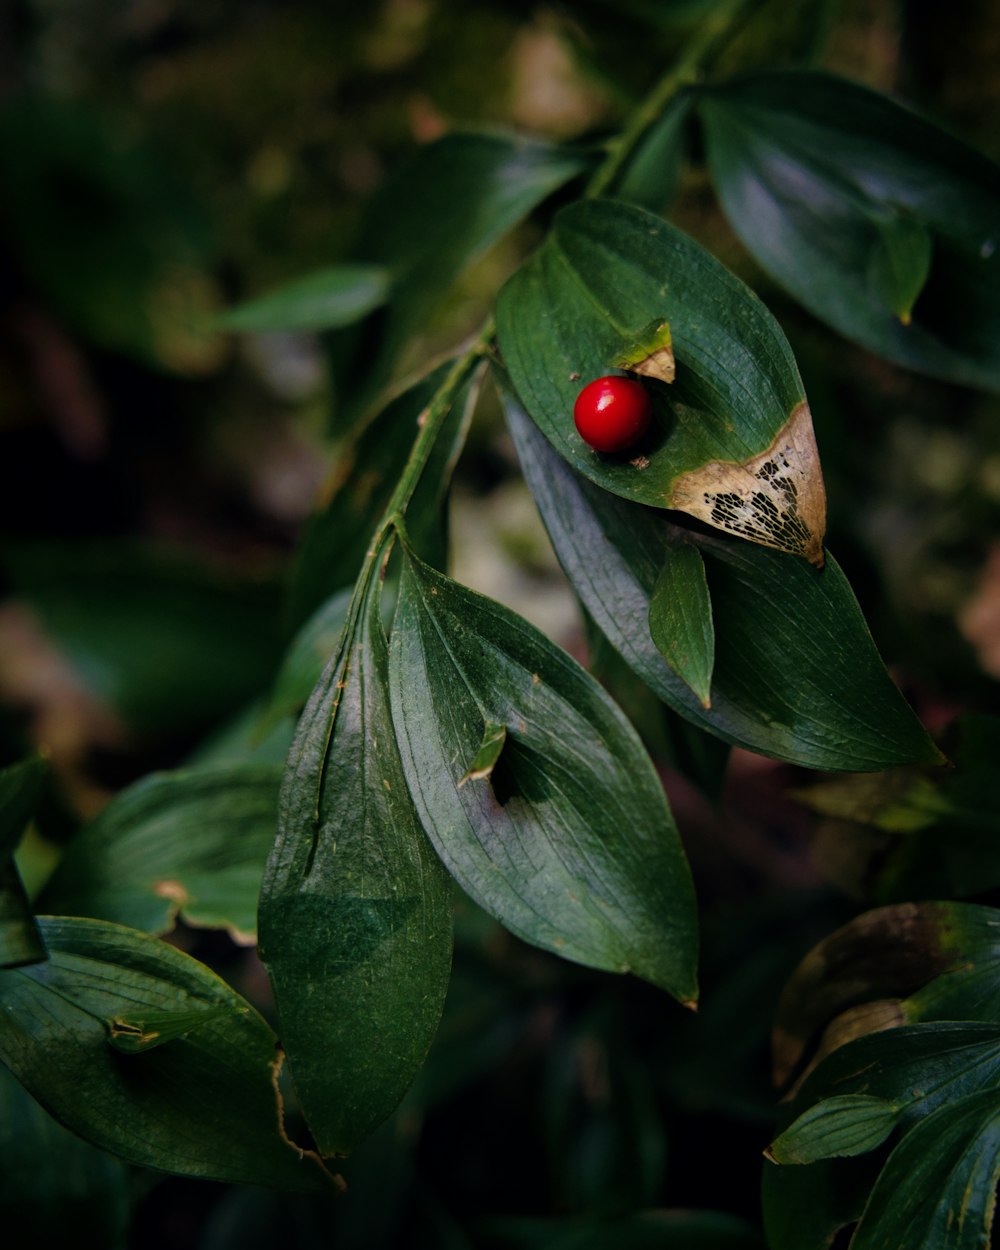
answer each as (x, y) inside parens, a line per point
(164, 159)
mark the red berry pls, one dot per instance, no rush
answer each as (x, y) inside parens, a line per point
(612, 413)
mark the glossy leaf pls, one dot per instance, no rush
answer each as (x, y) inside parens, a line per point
(204, 1105)
(569, 842)
(20, 787)
(338, 536)
(796, 674)
(680, 619)
(324, 300)
(355, 914)
(842, 195)
(845, 1125)
(732, 439)
(190, 843)
(917, 1069)
(938, 1189)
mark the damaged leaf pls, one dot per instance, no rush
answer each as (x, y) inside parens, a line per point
(796, 674)
(206, 1105)
(355, 911)
(652, 354)
(932, 961)
(732, 442)
(571, 844)
(192, 842)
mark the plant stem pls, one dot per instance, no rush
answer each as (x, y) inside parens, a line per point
(431, 420)
(684, 71)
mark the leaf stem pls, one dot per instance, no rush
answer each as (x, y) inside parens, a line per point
(685, 70)
(703, 43)
(431, 420)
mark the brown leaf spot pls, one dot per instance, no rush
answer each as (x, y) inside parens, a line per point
(776, 499)
(659, 364)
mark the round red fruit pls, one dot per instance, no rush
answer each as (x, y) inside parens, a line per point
(612, 413)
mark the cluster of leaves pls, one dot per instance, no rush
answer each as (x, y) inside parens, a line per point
(439, 737)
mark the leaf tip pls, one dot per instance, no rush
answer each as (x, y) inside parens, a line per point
(775, 498)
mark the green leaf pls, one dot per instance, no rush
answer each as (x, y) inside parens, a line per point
(132, 1031)
(494, 740)
(308, 654)
(901, 263)
(914, 1067)
(840, 194)
(918, 1069)
(796, 674)
(55, 1188)
(653, 174)
(355, 915)
(446, 205)
(20, 789)
(324, 300)
(569, 843)
(927, 961)
(191, 843)
(680, 619)
(732, 440)
(337, 537)
(938, 1189)
(847, 1124)
(204, 1105)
